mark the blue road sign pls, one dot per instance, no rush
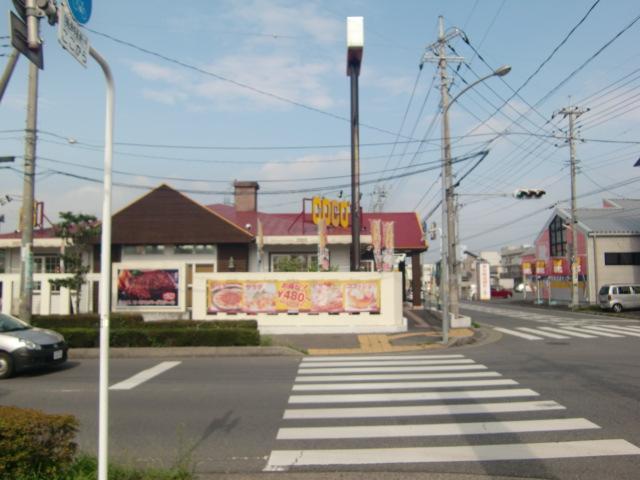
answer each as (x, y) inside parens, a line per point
(80, 9)
(637, 163)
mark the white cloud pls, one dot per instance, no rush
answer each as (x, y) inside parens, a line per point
(167, 97)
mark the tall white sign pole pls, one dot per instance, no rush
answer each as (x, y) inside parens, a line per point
(105, 276)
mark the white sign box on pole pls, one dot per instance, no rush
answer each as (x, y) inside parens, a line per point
(71, 36)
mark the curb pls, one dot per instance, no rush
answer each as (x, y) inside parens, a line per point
(151, 352)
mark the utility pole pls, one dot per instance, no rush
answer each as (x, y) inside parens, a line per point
(28, 186)
(573, 112)
(449, 257)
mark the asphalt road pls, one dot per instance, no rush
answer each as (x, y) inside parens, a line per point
(525, 399)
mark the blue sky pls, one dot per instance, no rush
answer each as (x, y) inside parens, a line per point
(257, 90)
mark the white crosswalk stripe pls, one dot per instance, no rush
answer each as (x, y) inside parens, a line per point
(492, 407)
(565, 332)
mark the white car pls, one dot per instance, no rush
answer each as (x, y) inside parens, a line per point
(521, 287)
(23, 346)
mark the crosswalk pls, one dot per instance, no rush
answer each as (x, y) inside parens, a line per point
(419, 409)
(568, 332)
(544, 317)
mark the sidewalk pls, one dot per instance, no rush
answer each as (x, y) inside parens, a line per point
(424, 333)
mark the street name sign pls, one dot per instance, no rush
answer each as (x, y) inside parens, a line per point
(19, 41)
(80, 9)
(71, 37)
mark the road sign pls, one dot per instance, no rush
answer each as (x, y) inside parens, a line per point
(80, 9)
(19, 41)
(71, 36)
(20, 8)
(637, 164)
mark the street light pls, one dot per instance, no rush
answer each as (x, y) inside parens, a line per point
(449, 217)
(355, 45)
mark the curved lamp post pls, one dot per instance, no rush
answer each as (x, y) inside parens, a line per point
(449, 218)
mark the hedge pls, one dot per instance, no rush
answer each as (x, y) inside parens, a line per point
(129, 320)
(162, 337)
(33, 442)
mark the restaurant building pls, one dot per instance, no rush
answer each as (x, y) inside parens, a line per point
(168, 252)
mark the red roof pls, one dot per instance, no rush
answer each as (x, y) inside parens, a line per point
(408, 232)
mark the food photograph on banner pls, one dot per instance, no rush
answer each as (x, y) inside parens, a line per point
(293, 296)
(145, 287)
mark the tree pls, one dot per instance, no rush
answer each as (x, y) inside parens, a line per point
(78, 232)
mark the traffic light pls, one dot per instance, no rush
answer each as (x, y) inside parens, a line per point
(528, 193)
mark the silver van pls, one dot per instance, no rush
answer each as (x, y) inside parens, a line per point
(619, 297)
(23, 346)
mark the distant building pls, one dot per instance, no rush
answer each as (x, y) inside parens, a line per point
(511, 261)
(608, 250)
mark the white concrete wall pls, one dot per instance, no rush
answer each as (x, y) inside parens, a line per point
(389, 319)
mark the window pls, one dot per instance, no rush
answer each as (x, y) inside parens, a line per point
(46, 264)
(624, 290)
(194, 249)
(557, 238)
(636, 289)
(622, 258)
(143, 249)
(294, 262)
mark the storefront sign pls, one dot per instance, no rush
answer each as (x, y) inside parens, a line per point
(334, 212)
(540, 267)
(316, 296)
(147, 288)
(558, 265)
(526, 268)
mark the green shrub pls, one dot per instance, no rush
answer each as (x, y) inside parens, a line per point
(162, 337)
(33, 442)
(253, 324)
(86, 320)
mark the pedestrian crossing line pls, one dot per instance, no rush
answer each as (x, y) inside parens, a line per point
(544, 334)
(374, 363)
(566, 332)
(391, 376)
(631, 328)
(616, 330)
(403, 385)
(426, 368)
(587, 330)
(379, 357)
(421, 410)
(434, 430)
(281, 460)
(413, 396)
(515, 333)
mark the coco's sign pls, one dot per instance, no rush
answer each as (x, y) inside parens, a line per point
(333, 212)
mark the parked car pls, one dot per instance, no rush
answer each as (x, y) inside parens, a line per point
(23, 346)
(619, 297)
(499, 292)
(521, 287)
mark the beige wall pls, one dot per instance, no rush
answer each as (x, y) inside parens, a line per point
(606, 274)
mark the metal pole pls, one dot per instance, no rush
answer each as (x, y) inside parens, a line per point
(28, 195)
(575, 301)
(105, 275)
(355, 171)
(8, 71)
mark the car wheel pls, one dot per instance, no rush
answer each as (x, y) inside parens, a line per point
(6, 365)
(616, 307)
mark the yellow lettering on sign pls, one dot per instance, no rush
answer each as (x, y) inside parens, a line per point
(334, 212)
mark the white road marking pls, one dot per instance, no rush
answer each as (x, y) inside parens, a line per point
(144, 376)
(421, 410)
(540, 332)
(402, 397)
(372, 363)
(390, 376)
(283, 459)
(430, 368)
(586, 329)
(615, 329)
(517, 334)
(568, 332)
(432, 430)
(380, 357)
(403, 385)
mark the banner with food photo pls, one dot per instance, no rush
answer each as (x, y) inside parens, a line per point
(293, 296)
(376, 242)
(225, 296)
(388, 246)
(327, 296)
(147, 287)
(362, 296)
(260, 297)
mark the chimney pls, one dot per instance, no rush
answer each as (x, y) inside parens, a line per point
(246, 196)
